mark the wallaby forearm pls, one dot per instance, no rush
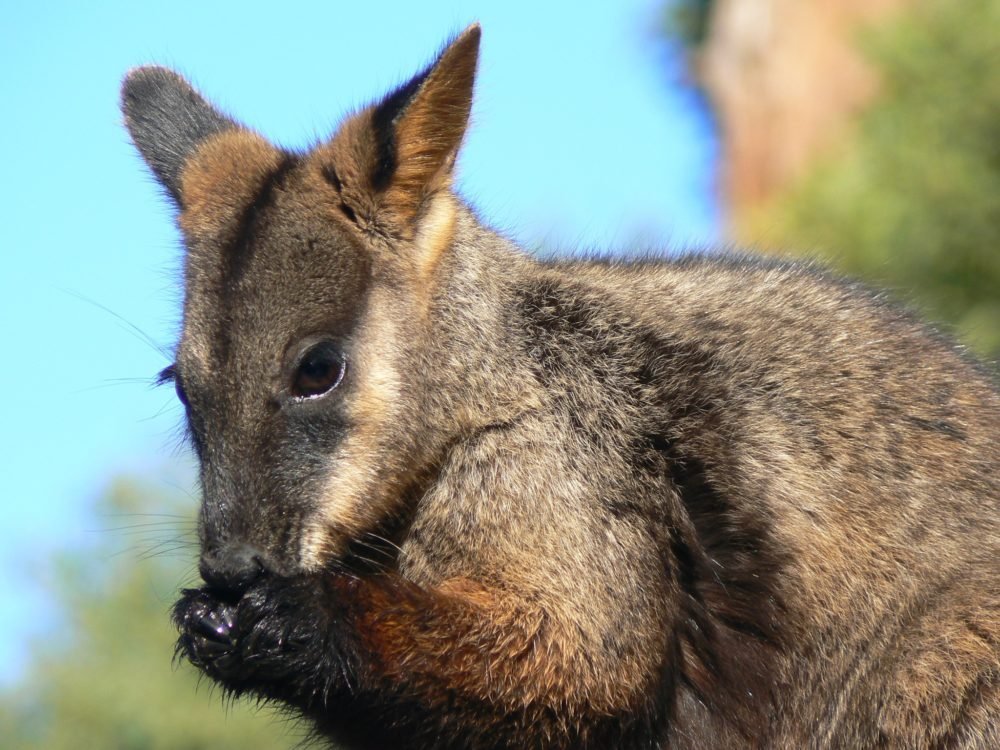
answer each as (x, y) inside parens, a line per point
(341, 648)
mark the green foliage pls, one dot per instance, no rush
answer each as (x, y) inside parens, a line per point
(107, 679)
(913, 200)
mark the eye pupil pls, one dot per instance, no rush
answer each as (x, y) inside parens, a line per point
(320, 370)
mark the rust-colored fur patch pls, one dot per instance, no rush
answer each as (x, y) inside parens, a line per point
(221, 180)
(497, 650)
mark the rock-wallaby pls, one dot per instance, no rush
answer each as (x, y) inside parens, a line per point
(458, 497)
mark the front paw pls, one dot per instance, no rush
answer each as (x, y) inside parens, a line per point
(207, 633)
(275, 641)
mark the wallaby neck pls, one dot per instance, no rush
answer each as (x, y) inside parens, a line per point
(472, 338)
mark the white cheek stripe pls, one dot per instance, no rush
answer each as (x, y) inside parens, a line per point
(434, 236)
(350, 496)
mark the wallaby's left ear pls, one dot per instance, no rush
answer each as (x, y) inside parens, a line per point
(388, 159)
(167, 120)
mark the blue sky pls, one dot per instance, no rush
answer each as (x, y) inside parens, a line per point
(581, 139)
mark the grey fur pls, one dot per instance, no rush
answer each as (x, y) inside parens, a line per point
(167, 119)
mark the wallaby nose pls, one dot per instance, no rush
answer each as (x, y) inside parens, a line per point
(233, 568)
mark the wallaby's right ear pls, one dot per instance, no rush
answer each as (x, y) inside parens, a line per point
(167, 120)
(387, 160)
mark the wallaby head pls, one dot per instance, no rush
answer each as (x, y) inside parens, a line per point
(307, 278)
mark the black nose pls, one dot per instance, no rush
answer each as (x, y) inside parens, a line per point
(232, 569)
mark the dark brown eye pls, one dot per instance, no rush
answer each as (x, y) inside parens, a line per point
(320, 370)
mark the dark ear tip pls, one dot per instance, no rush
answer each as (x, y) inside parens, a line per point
(149, 82)
(167, 119)
(150, 73)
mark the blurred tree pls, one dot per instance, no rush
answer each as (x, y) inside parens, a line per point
(108, 680)
(784, 77)
(912, 199)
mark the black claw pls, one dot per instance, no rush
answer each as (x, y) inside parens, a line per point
(210, 647)
(214, 626)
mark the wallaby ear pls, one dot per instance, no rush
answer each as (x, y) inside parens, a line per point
(167, 120)
(389, 158)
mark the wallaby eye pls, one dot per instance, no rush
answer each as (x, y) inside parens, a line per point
(181, 395)
(320, 370)
(168, 374)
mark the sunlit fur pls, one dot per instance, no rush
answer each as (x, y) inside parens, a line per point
(699, 502)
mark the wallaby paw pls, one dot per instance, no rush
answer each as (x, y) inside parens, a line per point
(268, 642)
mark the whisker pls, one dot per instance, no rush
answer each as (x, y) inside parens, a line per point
(374, 548)
(383, 540)
(112, 382)
(376, 564)
(165, 551)
(149, 526)
(163, 410)
(128, 325)
(184, 490)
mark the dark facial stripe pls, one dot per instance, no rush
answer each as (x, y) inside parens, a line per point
(235, 259)
(250, 221)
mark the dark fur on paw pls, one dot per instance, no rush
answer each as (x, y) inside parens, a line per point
(274, 641)
(206, 626)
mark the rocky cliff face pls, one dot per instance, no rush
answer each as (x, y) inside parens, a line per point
(785, 77)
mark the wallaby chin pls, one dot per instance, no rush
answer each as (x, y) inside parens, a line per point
(456, 497)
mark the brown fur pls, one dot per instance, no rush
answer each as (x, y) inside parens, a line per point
(698, 503)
